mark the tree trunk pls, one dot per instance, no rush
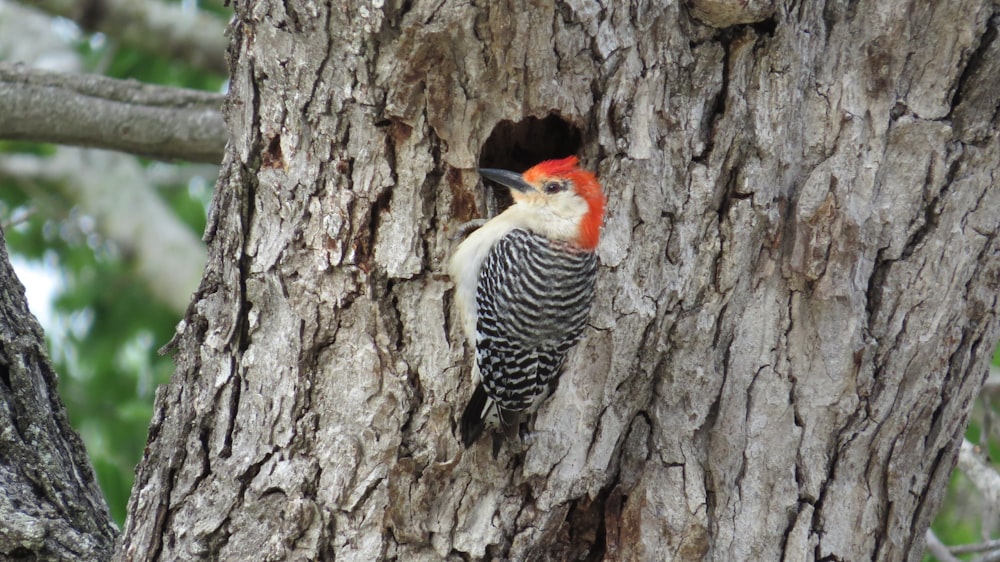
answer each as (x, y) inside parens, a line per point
(51, 507)
(797, 301)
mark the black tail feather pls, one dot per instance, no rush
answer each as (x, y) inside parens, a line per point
(476, 416)
(473, 420)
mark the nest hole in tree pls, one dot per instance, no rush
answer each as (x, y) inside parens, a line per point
(519, 146)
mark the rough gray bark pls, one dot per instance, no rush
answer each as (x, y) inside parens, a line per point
(99, 112)
(51, 507)
(797, 303)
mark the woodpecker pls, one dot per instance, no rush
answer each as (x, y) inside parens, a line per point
(524, 284)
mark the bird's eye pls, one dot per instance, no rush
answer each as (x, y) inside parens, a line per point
(553, 187)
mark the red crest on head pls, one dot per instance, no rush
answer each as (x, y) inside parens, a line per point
(586, 186)
(550, 168)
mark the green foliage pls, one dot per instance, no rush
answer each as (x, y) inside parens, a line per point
(35, 148)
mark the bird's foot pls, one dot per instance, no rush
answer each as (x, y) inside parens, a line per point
(464, 229)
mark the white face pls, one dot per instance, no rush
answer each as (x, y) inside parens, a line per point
(552, 209)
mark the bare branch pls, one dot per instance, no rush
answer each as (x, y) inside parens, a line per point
(974, 548)
(990, 557)
(99, 112)
(937, 548)
(979, 472)
(194, 36)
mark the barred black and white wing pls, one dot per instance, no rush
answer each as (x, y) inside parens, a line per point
(533, 300)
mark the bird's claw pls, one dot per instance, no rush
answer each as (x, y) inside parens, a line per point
(465, 228)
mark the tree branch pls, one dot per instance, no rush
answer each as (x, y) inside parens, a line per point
(975, 548)
(937, 548)
(51, 506)
(99, 112)
(979, 472)
(191, 35)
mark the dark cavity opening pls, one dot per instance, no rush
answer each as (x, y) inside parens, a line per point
(519, 146)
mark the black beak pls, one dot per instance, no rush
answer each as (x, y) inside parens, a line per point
(506, 178)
